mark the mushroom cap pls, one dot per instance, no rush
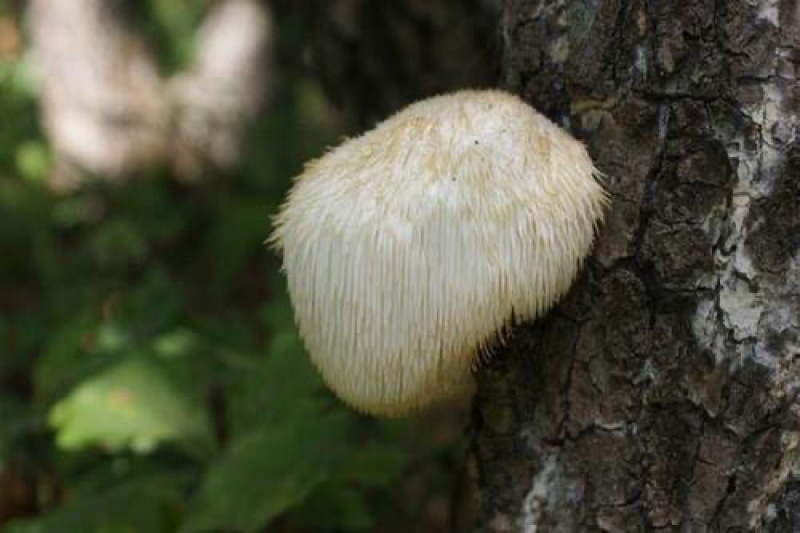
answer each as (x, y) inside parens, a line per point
(407, 249)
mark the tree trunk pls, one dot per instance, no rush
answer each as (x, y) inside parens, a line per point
(374, 58)
(107, 110)
(662, 394)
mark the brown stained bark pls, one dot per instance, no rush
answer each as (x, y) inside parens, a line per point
(662, 394)
(107, 110)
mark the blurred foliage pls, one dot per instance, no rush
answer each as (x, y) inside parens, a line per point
(150, 375)
(169, 25)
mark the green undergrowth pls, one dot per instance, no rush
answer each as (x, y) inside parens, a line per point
(151, 377)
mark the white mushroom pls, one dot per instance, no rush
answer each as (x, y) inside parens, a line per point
(411, 247)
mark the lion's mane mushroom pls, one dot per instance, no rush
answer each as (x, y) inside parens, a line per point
(409, 248)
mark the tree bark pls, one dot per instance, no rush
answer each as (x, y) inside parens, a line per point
(662, 393)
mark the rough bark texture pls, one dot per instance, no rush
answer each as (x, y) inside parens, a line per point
(662, 394)
(106, 108)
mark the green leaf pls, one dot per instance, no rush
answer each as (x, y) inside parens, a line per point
(33, 160)
(277, 388)
(146, 505)
(374, 465)
(267, 472)
(277, 314)
(237, 233)
(132, 404)
(333, 508)
(339, 505)
(178, 343)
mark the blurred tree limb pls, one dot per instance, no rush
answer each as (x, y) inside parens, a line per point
(109, 112)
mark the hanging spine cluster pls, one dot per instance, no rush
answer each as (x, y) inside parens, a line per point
(411, 247)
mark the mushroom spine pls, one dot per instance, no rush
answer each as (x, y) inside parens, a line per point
(410, 247)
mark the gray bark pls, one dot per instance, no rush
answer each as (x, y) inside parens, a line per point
(107, 110)
(662, 393)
